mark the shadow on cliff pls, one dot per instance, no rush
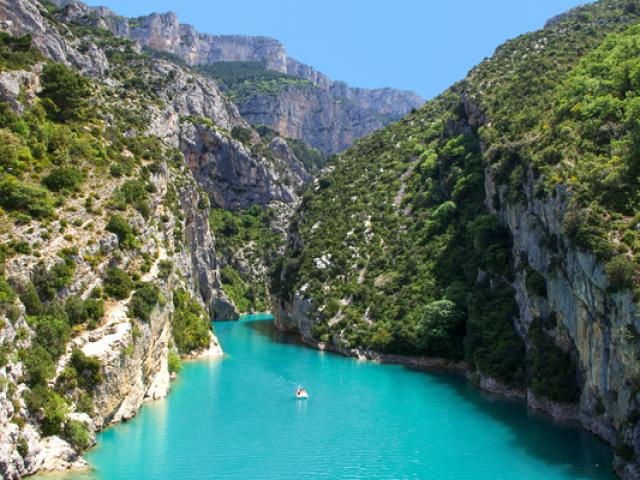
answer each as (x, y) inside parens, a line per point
(267, 329)
(554, 442)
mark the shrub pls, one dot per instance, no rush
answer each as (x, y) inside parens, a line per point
(133, 192)
(84, 403)
(67, 379)
(23, 447)
(30, 299)
(492, 344)
(144, 300)
(14, 156)
(49, 281)
(236, 289)
(625, 451)
(39, 366)
(165, 269)
(7, 295)
(441, 330)
(80, 311)
(52, 329)
(492, 243)
(66, 91)
(536, 283)
(20, 197)
(552, 373)
(63, 179)
(88, 369)
(76, 434)
(16, 52)
(190, 323)
(311, 158)
(587, 228)
(175, 365)
(117, 283)
(118, 224)
(23, 248)
(241, 134)
(50, 406)
(622, 273)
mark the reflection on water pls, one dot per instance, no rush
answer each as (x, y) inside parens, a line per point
(237, 418)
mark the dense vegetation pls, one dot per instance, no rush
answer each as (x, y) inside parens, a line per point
(230, 74)
(396, 217)
(591, 143)
(247, 242)
(191, 329)
(16, 52)
(395, 248)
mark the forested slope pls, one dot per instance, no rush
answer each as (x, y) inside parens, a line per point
(496, 225)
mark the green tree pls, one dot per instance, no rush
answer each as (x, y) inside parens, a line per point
(39, 366)
(77, 434)
(118, 224)
(14, 156)
(67, 92)
(51, 408)
(143, 301)
(190, 323)
(88, 369)
(441, 329)
(117, 283)
(21, 197)
(63, 179)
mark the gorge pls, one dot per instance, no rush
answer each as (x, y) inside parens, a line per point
(405, 416)
(154, 178)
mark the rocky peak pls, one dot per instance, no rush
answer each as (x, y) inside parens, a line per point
(328, 115)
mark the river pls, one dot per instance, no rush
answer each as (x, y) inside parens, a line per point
(237, 418)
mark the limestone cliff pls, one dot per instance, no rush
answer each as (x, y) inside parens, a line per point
(157, 149)
(328, 115)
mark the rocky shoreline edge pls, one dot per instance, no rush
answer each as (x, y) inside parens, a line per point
(58, 456)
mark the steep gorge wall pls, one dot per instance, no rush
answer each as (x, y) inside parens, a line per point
(187, 112)
(578, 310)
(579, 313)
(561, 307)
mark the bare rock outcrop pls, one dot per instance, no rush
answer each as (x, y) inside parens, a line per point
(328, 115)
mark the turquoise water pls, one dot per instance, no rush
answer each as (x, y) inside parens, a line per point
(237, 418)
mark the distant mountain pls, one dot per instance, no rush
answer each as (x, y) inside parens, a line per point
(328, 115)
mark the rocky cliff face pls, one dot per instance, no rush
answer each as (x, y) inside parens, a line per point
(133, 355)
(580, 313)
(188, 159)
(562, 305)
(310, 113)
(165, 33)
(327, 115)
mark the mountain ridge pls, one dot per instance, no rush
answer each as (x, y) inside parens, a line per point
(344, 113)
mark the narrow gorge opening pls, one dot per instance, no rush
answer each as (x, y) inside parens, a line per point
(154, 178)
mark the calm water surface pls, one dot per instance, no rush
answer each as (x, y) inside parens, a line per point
(237, 418)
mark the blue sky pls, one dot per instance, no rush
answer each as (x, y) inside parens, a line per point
(420, 45)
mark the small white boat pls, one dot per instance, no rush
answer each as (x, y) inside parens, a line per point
(301, 393)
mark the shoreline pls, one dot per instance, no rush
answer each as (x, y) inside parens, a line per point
(556, 411)
(80, 464)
